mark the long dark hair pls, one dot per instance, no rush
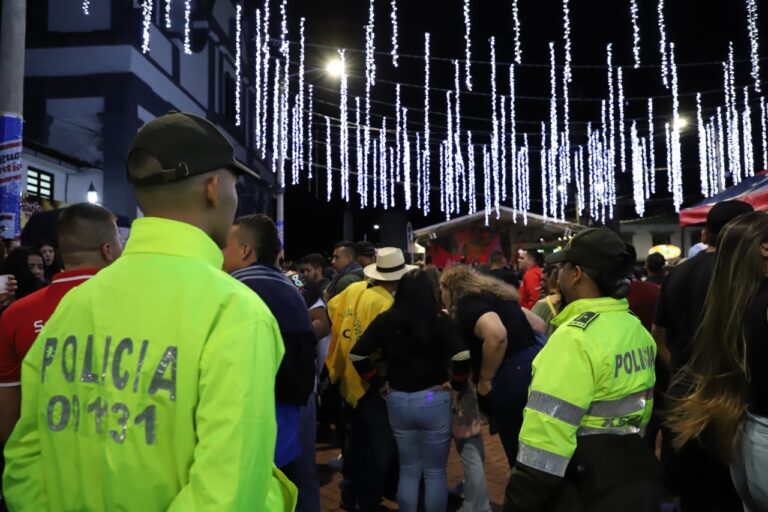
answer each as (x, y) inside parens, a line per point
(415, 309)
(717, 377)
(16, 265)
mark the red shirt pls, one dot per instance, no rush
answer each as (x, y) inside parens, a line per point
(24, 319)
(529, 290)
(642, 298)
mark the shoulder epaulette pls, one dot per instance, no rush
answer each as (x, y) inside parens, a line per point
(583, 320)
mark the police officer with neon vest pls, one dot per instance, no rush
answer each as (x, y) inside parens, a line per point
(581, 446)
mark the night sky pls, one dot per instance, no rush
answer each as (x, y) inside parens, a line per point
(701, 32)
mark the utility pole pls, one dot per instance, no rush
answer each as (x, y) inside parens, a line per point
(12, 43)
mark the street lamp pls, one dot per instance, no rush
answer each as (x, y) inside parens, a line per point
(376, 227)
(681, 123)
(334, 67)
(93, 196)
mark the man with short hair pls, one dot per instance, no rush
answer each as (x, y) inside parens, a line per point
(703, 483)
(499, 269)
(654, 265)
(251, 254)
(88, 242)
(153, 382)
(530, 264)
(312, 268)
(366, 253)
(348, 270)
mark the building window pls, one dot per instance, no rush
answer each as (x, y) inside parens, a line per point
(661, 238)
(39, 183)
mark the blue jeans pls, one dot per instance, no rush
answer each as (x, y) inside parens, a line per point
(749, 468)
(475, 486)
(421, 422)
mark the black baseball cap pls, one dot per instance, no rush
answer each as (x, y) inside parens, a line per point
(595, 248)
(185, 145)
(724, 212)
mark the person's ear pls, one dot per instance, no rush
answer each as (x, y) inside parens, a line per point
(705, 236)
(246, 251)
(212, 191)
(108, 253)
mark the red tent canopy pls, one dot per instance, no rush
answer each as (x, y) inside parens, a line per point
(752, 190)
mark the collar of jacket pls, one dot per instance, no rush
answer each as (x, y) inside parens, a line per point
(599, 305)
(153, 235)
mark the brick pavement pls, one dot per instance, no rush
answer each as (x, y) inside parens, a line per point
(496, 470)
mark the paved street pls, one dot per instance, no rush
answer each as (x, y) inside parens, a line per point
(496, 469)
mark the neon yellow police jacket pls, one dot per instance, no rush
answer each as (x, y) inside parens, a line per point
(594, 376)
(152, 388)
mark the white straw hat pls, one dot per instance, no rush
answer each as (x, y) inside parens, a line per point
(390, 265)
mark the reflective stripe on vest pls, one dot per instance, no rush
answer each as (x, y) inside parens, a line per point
(542, 460)
(618, 431)
(622, 406)
(555, 407)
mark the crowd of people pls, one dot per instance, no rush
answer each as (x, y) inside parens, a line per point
(194, 368)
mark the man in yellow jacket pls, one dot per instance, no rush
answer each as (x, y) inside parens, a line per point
(152, 386)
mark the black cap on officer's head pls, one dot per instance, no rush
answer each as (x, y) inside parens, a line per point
(180, 145)
(595, 248)
(724, 212)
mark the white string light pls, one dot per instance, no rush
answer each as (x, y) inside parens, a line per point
(638, 189)
(516, 195)
(300, 112)
(565, 164)
(543, 155)
(670, 163)
(677, 175)
(344, 128)
(265, 81)
(86, 7)
(284, 118)
(147, 14)
(746, 128)
(467, 46)
(721, 137)
(651, 149)
(503, 143)
(328, 160)
(553, 139)
(703, 164)
(754, 42)
(580, 181)
(732, 119)
(283, 28)
(663, 45)
(370, 80)
(443, 192)
(611, 128)
(495, 128)
(635, 32)
(359, 155)
(525, 193)
(295, 151)
(375, 173)
(310, 117)
(276, 119)
(425, 152)
(257, 83)
(459, 159)
(516, 21)
(406, 160)
(238, 60)
(486, 183)
(398, 127)
(391, 177)
(446, 153)
(393, 16)
(622, 137)
(187, 30)
(471, 175)
(168, 14)
(419, 178)
(383, 189)
(763, 132)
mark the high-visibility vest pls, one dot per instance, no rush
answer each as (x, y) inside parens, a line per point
(595, 376)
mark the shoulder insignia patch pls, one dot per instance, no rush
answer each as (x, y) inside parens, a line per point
(583, 320)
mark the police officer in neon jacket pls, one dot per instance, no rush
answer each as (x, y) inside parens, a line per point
(581, 446)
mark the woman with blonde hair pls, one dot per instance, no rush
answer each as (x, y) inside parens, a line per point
(501, 342)
(726, 405)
